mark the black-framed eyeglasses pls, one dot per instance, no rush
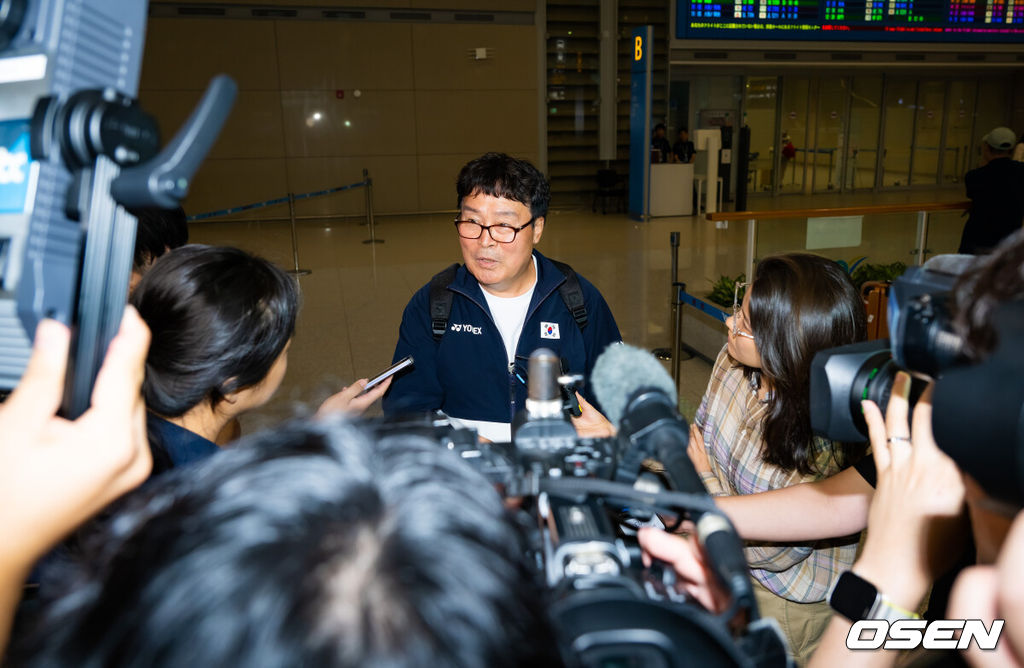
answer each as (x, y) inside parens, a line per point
(502, 233)
(737, 312)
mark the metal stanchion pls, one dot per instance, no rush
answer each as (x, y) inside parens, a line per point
(295, 240)
(921, 252)
(675, 316)
(369, 210)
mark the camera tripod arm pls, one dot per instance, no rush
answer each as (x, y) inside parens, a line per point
(164, 181)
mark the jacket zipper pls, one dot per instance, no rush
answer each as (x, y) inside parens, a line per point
(512, 364)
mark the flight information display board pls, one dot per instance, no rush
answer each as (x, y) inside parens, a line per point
(853, 20)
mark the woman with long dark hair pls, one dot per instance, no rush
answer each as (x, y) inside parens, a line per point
(752, 432)
(221, 321)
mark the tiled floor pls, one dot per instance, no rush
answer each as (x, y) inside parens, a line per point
(354, 297)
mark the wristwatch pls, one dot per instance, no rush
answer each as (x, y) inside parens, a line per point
(855, 598)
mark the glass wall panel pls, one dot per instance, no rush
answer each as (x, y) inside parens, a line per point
(899, 131)
(959, 121)
(759, 100)
(865, 117)
(829, 157)
(884, 239)
(931, 99)
(794, 143)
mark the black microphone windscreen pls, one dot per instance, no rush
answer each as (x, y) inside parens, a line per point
(623, 369)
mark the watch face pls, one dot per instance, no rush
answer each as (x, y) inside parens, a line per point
(853, 597)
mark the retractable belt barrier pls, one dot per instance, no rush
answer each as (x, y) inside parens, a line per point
(290, 200)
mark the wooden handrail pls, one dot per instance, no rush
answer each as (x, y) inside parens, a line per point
(840, 211)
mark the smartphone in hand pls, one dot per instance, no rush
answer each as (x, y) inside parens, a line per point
(387, 373)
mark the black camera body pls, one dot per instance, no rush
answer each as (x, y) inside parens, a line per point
(582, 501)
(921, 341)
(977, 406)
(76, 150)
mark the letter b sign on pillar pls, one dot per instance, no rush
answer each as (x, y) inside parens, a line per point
(640, 124)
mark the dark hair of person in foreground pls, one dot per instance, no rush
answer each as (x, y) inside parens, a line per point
(158, 231)
(800, 304)
(308, 545)
(991, 280)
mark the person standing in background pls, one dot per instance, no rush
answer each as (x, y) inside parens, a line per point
(996, 191)
(683, 150)
(661, 150)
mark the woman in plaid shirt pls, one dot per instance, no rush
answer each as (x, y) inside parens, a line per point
(752, 432)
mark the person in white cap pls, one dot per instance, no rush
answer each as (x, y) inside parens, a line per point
(996, 191)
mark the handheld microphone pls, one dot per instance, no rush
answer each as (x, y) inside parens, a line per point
(542, 429)
(639, 397)
(543, 396)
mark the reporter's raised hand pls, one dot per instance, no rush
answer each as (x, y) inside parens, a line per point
(56, 473)
(696, 451)
(350, 401)
(917, 509)
(687, 559)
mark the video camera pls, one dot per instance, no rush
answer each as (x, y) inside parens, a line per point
(584, 500)
(977, 406)
(75, 150)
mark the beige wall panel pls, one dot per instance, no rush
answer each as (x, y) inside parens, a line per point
(184, 54)
(299, 3)
(394, 184)
(437, 176)
(476, 122)
(443, 61)
(253, 130)
(479, 5)
(381, 123)
(489, 5)
(221, 184)
(328, 55)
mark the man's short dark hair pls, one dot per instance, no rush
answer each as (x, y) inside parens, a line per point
(159, 231)
(500, 175)
(659, 126)
(306, 546)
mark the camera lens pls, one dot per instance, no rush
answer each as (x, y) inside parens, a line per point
(927, 343)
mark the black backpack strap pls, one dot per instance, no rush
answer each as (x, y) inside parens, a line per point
(441, 300)
(572, 294)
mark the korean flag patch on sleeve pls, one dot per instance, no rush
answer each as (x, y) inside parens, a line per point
(549, 330)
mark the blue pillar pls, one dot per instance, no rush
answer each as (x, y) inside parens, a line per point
(640, 123)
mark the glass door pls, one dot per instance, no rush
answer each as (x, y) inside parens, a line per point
(829, 158)
(931, 102)
(865, 119)
(759, 101)
(900, 105)
(794, 144)
(959, 127)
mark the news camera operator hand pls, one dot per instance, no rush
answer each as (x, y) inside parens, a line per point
(916, 513)
(55, 473)
(350, 401)
(688, 561)
(918, 508)
(591, 423)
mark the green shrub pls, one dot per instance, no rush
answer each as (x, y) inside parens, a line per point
(724, 289)
(877, 272)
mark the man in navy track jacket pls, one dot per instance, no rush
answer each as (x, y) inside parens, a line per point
(505, 303)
